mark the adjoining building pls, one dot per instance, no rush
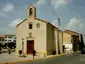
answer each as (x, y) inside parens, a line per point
(2, 39)
(72, 41)
(10, 38)
(36, 34)
(7, 39)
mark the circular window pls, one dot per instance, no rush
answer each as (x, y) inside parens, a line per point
(38, 25)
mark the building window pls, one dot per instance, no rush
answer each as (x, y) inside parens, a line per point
(30, 12)
(30, 35)
(9, 37)
(5, 37)
(14, 40)
(30, 26)
(9, 40)
(2, 39)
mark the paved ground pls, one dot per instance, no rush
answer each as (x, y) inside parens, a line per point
(65, 59)
(76, 58)
(5, 57)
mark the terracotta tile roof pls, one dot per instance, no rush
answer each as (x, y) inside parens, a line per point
(3, 35)
(8, 35)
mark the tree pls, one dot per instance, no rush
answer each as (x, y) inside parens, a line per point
(0, 48)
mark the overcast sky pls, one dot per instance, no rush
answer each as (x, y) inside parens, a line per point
(13, 12)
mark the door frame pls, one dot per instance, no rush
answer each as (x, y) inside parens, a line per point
(32, 41)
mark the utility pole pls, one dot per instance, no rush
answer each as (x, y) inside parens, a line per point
(58, 36)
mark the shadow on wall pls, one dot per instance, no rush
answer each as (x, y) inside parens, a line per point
(51, 43)
(54, 44)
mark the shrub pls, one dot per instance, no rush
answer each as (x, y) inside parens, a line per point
(20, 52)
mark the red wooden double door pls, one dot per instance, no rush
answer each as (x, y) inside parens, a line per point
(30, 46)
